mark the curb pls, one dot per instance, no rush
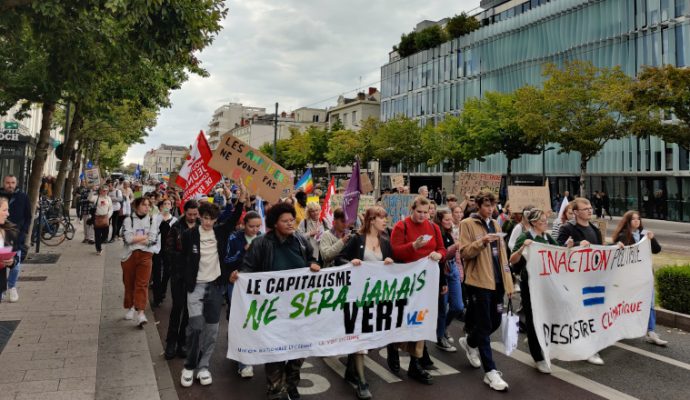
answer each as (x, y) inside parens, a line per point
(672, 319)
(164, 379)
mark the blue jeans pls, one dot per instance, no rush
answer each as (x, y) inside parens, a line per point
(13, 276)
(229, 294)
(450, 304)
(651, 324)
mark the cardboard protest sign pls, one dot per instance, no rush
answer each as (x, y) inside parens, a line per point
(365, 201)
(365, 183)
(523, 196)
(397, 206)
(472, 183)
(274, 314)
(239, 161)
(585, 299)
(397, 180)
(92, 176)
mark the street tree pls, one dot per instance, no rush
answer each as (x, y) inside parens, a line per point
(664, 91)
(583, 108)
(492, 127)
(400, 141)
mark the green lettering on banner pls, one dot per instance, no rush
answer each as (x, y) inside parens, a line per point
(326, 294)
(256, 316)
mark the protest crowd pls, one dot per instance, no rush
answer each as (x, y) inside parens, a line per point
(191, 251)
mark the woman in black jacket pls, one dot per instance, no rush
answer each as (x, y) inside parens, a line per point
(8, 237)
(630, 231)
(369, 244)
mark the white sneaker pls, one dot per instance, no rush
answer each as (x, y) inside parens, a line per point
(651, 337)
(449, 338)
(516, 288)
(142, 320)
(187, 377)
(595, 359)
(543, 367)
(204, 377)
(494, 380)
(472, 354)
(130, 314)
(246, 372)
(13, 295)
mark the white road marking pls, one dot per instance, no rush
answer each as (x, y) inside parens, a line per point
(568, 376)
(657, 357)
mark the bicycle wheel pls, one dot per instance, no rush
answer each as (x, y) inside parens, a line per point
(69, 230)
(56, 233)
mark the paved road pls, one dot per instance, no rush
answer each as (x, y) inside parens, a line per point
(634, 369)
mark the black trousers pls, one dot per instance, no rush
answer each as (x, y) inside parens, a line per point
(160, 275)
(282, 375)
(484, 318)
(532, 341)
(101, 236)
(179, 317)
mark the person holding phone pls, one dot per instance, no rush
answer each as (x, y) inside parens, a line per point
(487, 280)
(413, 238)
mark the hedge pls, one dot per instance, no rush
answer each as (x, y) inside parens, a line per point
(673, 288)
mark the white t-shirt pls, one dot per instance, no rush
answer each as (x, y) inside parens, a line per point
(209, 263)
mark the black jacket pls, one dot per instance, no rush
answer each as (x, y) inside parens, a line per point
(259, 256)
(191, 240)
(575, 231)
(656, 247)
(20, 215)
(355, 249)
(172, 246)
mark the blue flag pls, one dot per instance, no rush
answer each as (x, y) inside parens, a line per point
(137, 172)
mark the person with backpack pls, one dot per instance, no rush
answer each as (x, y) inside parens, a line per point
(117, 216)
(140, 237)
(161, 269)
(101, 213)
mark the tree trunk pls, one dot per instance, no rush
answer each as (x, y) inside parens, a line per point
(455, 168)
(71, 182)
(583, 174)
(40, 156)
(509, 173)
(68, 149)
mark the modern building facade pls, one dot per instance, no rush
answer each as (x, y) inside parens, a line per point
(230, 116)
(352, 111)
(164, 159)
(516, 39)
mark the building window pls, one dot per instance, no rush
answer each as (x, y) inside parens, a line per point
(682, 32)
(682, 7)
(315, 118)
(345, 117)
(354, 118)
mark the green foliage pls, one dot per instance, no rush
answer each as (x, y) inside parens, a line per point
(673, 288)
(430, 37)
(400, 140)
(664, 89)
(281, 152)
(318, 144)
(582, 108)
(407, 45)
(492, 127)
(460, 25)
(342, 148)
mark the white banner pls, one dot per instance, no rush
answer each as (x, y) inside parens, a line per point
(292, 314)
(585, 299)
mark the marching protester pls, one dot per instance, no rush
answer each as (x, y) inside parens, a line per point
(85, 213)
(282, 248)
(520, 228)
(238, 243)
(456, 212)
(413, 238)
(160, 273)
(9, 236)
(117, 216)
(20, 216)
(102, 212)
(140, 237)
(450, 305)
(175, 339)
(206, 275)
(538, 224)
(333, 240)
(432, 210)
(312, 227)
(566, 216)
(581, 232)
(300, 206)
(487, 279)
(368, 244)
(628, 232)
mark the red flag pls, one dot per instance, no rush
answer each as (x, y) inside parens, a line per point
(326, 212)
(195, 176)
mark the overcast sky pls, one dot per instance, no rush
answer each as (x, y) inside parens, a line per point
(296, 52)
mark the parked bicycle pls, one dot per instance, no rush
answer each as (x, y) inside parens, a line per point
(53, 223)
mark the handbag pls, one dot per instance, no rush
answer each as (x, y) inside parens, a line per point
(101, 221)
(509, 329)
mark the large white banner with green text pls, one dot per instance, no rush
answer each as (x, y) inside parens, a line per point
(297, 313)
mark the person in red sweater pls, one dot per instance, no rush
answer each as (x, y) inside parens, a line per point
(414, 238)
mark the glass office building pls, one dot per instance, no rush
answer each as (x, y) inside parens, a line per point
(516, 39)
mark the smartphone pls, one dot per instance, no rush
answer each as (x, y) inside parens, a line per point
(140, 232)
(426, 238)
(500, 234)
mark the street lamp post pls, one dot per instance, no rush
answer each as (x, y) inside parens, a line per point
(544, 149)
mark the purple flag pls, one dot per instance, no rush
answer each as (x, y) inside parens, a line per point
(351, 197)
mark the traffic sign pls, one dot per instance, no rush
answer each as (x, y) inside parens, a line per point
(11, 125)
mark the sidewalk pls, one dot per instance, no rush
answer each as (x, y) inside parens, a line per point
(71, 341)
